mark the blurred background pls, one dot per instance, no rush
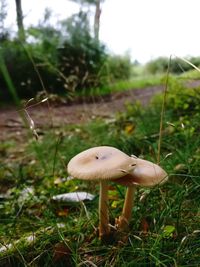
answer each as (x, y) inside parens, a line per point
(78, 45)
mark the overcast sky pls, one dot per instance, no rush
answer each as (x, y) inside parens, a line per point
(145, 28)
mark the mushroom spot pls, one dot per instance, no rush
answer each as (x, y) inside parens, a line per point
(104, 157)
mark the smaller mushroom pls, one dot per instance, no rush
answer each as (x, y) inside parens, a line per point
(145, 174)
(101, 164)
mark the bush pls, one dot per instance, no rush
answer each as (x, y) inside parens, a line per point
(158, 65)
(67, 59)
(81, 63)
(177, 65)
(118, 68)
(22, 72)
(81, 57)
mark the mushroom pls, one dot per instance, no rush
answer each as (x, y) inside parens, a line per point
(101, 164)
(145, 174)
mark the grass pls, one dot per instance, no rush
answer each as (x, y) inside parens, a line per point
(164, 230)
(138, 82)
(192, 74)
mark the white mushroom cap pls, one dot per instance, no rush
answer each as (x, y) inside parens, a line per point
(100, 163)
(145, 173)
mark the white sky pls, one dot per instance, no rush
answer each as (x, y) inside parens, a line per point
(145, 28)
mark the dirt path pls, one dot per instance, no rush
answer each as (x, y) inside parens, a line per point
(59, 115)
(11, 125)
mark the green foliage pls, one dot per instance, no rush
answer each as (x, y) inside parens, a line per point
(170, 212)
(66, 59)
(120, 86)
(80, 58)
(46, 40)
(138, 128)
(157, 66)
(118, 68)
(182, 102)
(22, 71)
(191, 74)
(177, 66)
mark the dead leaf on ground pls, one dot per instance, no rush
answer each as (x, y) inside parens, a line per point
(144, 226)
(62, 213)
(62, 253)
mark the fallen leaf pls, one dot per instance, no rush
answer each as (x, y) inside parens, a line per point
(129, 128)
(62, 213)
(168, 231)
(62, 253)
(116, 203)
(144, 226)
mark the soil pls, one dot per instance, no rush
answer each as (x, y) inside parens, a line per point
(78, 112)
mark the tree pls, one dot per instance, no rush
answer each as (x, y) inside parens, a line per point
(21, 32)
(80, 57)
(97, 19)
(97, 15)
(3, 13)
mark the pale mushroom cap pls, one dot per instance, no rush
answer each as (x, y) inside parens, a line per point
(145, 173)
(100, 163)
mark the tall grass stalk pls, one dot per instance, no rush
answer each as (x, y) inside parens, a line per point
(12, 90)
(188, 62)
(163, 110)
(41, 82)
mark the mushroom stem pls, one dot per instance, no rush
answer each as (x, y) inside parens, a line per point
(124, 219)
(104, 228)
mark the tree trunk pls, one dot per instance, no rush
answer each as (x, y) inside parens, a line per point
(21, 33)
(97, 20)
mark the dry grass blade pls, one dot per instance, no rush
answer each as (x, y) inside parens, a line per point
(31, 124)
(188, 62)
(41, 82)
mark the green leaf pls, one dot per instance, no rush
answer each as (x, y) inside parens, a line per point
(168, 231)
